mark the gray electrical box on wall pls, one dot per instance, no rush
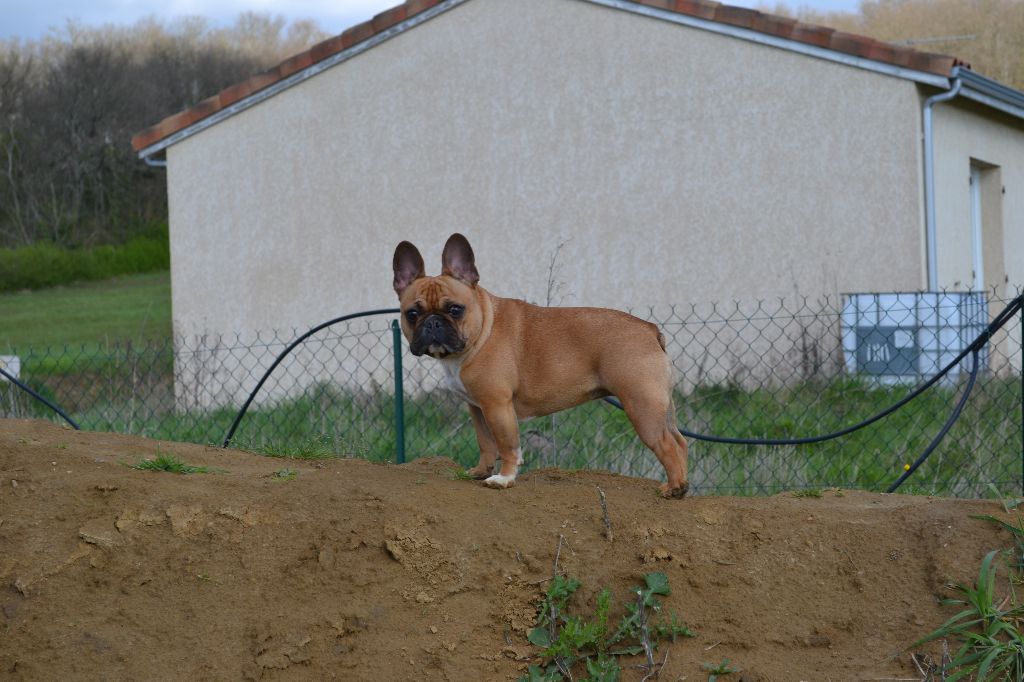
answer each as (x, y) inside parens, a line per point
(905, 337)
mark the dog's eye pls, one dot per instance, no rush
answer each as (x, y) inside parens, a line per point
(411, 316)
(456, 311)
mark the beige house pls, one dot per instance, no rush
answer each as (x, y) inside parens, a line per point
(638, 153)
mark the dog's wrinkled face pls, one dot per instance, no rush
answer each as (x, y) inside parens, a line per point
(440, 315)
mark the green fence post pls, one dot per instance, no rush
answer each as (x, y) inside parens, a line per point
(396, 335)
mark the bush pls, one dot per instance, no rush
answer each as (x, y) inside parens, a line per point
(45, 265)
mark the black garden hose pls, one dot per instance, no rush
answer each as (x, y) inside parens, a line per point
(40, 398)
(973, 349)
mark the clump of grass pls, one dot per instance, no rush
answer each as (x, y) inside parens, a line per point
(169, 463)
(572, 640)
(461, 475)
(311, 448)
(816, 492)
(989, 629)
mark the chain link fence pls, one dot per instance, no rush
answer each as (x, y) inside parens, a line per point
(767, 369)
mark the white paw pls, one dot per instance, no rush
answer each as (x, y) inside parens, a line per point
(499, 481)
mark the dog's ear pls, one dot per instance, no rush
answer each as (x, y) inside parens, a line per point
(457, 260)
(408, 265)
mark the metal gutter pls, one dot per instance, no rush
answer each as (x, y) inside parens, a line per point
(931, 244)
(775, 41)
(298, 77)
(987, 86)
(991, 93)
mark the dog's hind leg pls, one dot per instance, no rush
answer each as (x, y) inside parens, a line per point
(653, 417)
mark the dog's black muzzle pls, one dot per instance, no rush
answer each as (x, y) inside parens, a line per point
(437, 337)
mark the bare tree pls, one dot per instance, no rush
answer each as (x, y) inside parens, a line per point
(70, 103)
(989, 34)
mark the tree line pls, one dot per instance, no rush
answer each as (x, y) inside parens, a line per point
(70, 102)
(988, 34)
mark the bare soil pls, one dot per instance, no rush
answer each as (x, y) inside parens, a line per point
(360, 571)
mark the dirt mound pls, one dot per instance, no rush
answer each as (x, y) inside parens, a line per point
(357, 571)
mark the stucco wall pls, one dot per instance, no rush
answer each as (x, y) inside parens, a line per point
(676, 165)
(964, 135)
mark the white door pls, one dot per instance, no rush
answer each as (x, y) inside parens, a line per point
(977, 251)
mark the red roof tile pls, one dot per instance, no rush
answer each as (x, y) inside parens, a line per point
(736, 16)
(702, 9)
(781, 27)
(811, 34)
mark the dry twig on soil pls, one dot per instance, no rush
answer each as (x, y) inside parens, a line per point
(604, 511)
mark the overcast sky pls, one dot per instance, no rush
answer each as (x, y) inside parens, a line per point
(30, 19)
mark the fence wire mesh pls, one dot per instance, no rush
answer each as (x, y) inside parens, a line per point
(767, 369)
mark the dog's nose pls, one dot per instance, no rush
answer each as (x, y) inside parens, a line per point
(432, 323)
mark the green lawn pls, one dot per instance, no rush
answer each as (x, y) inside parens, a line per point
(92, 314)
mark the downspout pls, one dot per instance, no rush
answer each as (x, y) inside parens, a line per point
(155, 163)
(929, 182)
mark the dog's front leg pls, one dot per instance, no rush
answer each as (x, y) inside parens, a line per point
(488, 448)
(500, 419)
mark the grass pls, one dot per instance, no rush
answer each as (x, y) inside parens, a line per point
(983, 447)
(168, 463)
(88, 316)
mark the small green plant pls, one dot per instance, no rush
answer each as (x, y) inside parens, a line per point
(714, 671)
(169, 463)
(988, 630)
(571, 640)
(461, 475)
(285, 475)
(1015, 531)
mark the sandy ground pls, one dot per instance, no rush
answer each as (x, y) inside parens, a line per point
(359, 571)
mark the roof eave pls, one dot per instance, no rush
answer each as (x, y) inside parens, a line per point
(939, 73)
(768, 39)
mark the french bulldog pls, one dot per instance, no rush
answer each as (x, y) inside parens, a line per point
(511, 360)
